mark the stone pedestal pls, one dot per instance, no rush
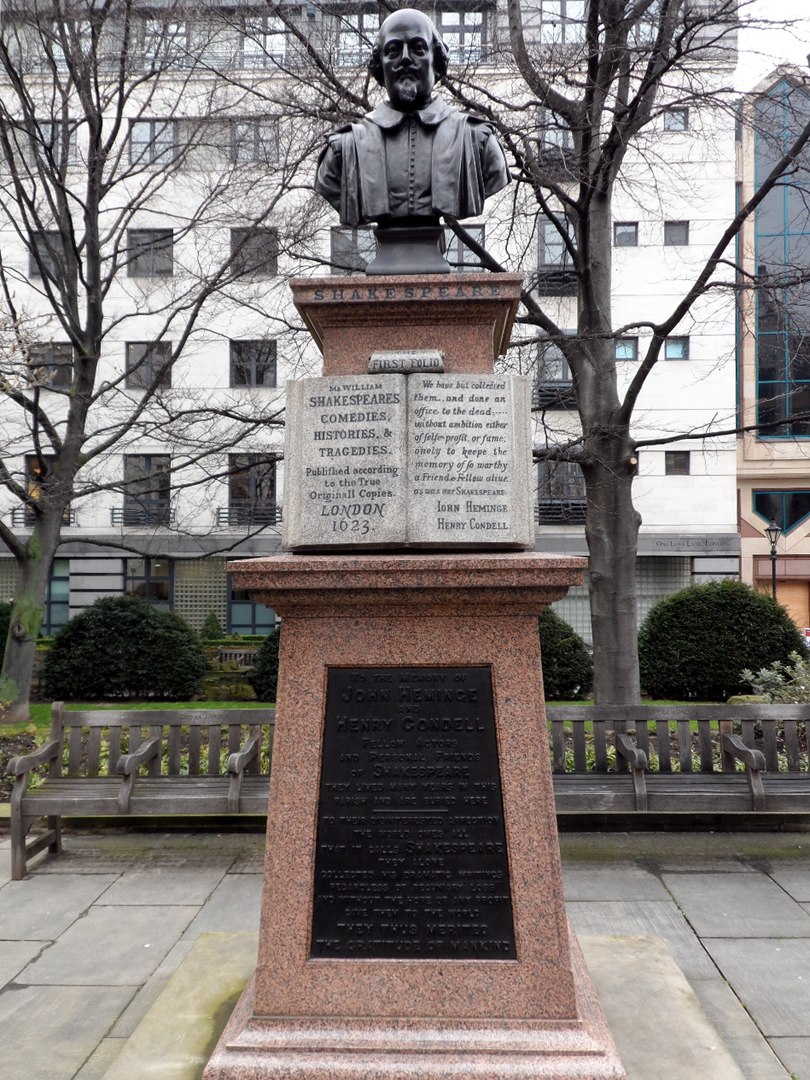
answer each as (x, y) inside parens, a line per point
(468, 317)
(530, 1015)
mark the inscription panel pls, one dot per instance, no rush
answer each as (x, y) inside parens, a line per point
(345, 462)
(411, 857)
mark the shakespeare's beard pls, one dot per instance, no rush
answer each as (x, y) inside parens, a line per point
(407, 89)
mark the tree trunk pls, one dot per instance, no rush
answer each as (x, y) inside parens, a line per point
(27, 611)
(612, 534)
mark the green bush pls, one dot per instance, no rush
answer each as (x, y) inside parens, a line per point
(264, 677)
(123, 647)
(211, 628)
(696, 643)
(567, 664)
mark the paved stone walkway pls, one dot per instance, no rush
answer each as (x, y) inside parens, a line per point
(91, 937)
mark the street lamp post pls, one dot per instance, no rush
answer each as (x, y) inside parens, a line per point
(773, 532)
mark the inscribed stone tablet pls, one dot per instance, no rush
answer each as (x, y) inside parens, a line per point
(411, 859)
(345, 461)
(469, 457)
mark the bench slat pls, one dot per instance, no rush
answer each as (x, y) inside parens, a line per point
(792, 746)
(174, 749)
(214, 749)
(114, 747)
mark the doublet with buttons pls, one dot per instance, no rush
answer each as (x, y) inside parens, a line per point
(391, 164)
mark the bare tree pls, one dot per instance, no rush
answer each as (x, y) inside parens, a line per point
(144, 200)
(578, 102)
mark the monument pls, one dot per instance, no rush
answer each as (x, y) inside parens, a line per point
(413, 923)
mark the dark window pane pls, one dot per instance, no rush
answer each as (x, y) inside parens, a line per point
(458, 254)
(625, 234)
(787, 508)
(145, 364)
(150, 253)
(676, 462)
(253, 363)
(676, 119)
(676, 233)
(351, 249)
(51, 365)
(255, 251)
(771, 356)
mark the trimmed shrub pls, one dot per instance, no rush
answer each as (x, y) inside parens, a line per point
(123, 647)
(211, 628)
(264, 677)
(567, 664)
(696, 643)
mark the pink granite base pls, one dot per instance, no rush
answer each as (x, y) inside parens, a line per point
(313, 1019)
(468, 317)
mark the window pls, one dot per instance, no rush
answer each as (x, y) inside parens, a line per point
(560, 493)
(676, 348)
(253, 363)
(562, 20)
(556, 139)
(262, 42)
(147, 490)
(464, 34)
(150, 252)
(51, 142)
(164, 44)
(676, 462)
(245, 616)
(676, 233)
(553, 384)
(351, 250)
(553, 248)
(625, 234)
(676, 119)
(51, 365)
(152, 142)
(787, 508)
(626, 348)
(57, 598)
(146, 364)
(151, 580)
(252, 489)
(458, 254)
(46, 255)
(254, 141)
(356, 34)
(255, 252)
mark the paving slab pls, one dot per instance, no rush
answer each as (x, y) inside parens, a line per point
(202, 994)
(795, 880)
(646, 917)
(235, 903)
(14, 955)
(737, 906)
(772, 979)
(100, 1060)
(56, 1028)
(171, 885)
(150, 991)
(738, 1031)
(41, 908)
(111, 948)
(661, 1031)
(622, 881)
(795, 1055)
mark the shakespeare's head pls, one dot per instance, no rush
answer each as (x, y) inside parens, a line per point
(408, 58)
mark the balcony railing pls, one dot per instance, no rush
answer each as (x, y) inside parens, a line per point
(554, 394)
(565, 511)
(556, 281)
(23, 518)
(143, 514)
(247, 514)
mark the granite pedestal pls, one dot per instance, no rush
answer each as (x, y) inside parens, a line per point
(528, 1014)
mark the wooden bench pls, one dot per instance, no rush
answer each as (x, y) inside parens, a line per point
(680, 759)
(140, 762)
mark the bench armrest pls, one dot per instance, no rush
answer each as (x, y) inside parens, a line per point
(130, 763)
(624, 746)
(18, 766)
(237, 763)
(754, 761)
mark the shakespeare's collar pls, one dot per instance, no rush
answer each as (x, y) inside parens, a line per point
(386, 116)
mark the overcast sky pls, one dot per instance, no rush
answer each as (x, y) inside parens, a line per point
(763, 50)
